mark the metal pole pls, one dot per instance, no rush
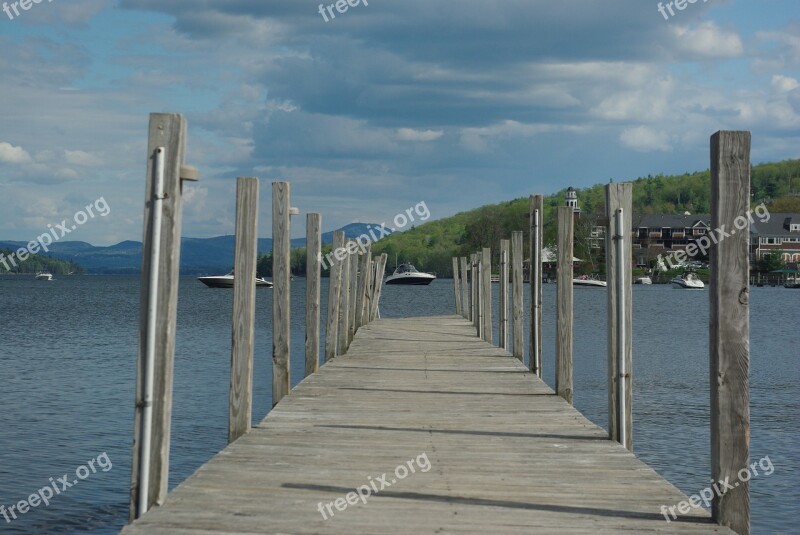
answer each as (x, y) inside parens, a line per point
(150, 353)
(622, 380)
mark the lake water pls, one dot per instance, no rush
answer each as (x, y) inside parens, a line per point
(68, 365)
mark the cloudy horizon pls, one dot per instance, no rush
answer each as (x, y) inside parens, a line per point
(384, 106)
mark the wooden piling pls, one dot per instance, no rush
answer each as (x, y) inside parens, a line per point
(281, 296)
(518, 301)
(729, 327)
(456, 287)
(344, 301)
(244, 308)
(474, 277)
(368, 286)
(166, 133)
(380, 268)
(313, 286)
(486, 276)
(465, 308)
(564, 304)
(355, 260)
(619, 196)
(536, 228)
(363, 277)
(334, 290)
(480, 291)
(502, 296)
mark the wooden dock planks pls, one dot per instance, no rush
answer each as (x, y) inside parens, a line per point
(506, 454)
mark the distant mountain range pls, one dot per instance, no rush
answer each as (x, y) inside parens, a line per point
(198, 255)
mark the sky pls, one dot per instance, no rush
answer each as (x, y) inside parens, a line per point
(455, 103)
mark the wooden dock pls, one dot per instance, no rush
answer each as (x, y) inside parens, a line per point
(505, 454)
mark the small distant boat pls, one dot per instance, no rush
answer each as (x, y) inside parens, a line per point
(643, 280)
(792, 282)
(44, 276)
(408, 274)
(495, 278)
(226, 281)
(585, 282)
(688, 281)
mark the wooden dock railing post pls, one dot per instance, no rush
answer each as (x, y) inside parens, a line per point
(456, 287)
(369, 283)
(620, 315)
(465, 308)
(379, 271)
(334, 291)
(281, 290)
(536, 217)
(158, 297)
(518, 301)
(474, 278)
(502, 296)
(351, 320)
(480, 290)
(313, 286)
(240, 407)
(486, 276)
(564, 304)
(363, 277)
(344, 300)
(729, 327)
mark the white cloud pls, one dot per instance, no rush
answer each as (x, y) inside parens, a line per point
(645, 139)
(13, 155)
(82, 158)
(707, 41)
(409, 134)
(784, 84)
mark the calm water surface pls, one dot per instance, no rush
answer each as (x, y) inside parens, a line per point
(69, 352)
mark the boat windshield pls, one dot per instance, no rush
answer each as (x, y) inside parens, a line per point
(406, 268)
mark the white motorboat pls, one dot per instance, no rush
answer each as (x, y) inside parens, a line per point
(688, 281)
(643, 280)
(226, 281)
(44, 276)
(408, 274)
(585, 282)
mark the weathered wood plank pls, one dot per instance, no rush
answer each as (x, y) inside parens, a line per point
(502, 319)
(351, 320)
(456, 287)
(427, 390)
(166, 132)
(363, 277)
(240, 409)
(535, 349)
(518, 302)
(380, 268)
(344, 300)
(619, 195)
(334, 291)
(313, 287)
(281, 290)
(465, 305)
(729, 325)
(486, 278)
(564, 304)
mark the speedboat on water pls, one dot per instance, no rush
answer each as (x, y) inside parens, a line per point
(585, 282)
(226, 281)
(643, 280)
(688, 281)
(44, 276)
(408, 274)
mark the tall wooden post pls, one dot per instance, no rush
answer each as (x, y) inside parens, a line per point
(564, 304)
(281, 298)
(368, 286)
(334, 291)
(456, 287)
(244, 308)
(620, 316)
(363, 277)
(379, 271)
(536, 218)
(479, 283)
(729, 327)
(344, 301)
(465, 308)
(486, 276)
(474, 279)
(158, 309)
(502, 296)
(351, 320)
(313, 286)
(518, 302)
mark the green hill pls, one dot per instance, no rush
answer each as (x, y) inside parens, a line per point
(35, 263)
(431, 246)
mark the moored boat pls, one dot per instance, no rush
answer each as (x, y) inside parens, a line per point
(226, 281)
(408, 274)
(688, 281)
(44, 276)
(585, 282)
